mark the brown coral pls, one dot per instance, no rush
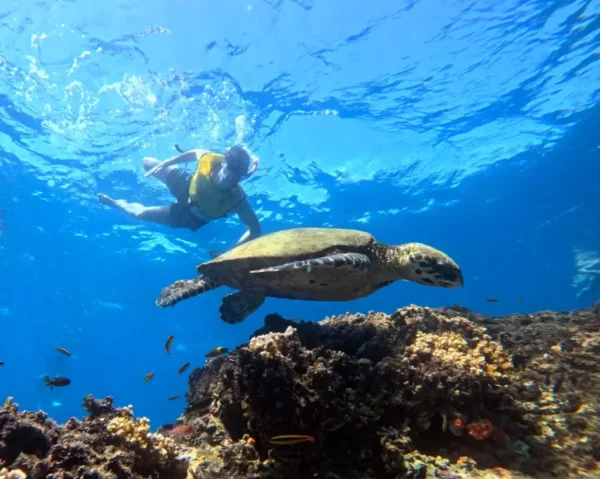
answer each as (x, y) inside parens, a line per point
(109, 445)
(344, 379)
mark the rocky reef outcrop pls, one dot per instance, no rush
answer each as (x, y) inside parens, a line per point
(109, 443)
(421, 393)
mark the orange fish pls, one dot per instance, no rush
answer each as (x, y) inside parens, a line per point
(180, 430)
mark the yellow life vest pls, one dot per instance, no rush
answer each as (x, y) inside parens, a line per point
(213, 202)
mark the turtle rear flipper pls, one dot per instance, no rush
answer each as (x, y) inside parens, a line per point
(342, 260)
(238, 306)
(184, 289)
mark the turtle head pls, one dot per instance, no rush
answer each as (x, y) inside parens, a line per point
(426, 265)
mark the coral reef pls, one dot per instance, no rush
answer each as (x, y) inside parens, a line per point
(109, 444)
(421, 393)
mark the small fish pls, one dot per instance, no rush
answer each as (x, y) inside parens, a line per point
(168, 344)
(491, 300)
(201, 406)
(63, 351)
(1, 363)
(520, 300)
(172, 398)
(291, 439)
(179, 430)
(218, 351)
(183, 368)
(149, 376)
(288, 455)
(334, 423)
(444, 421)
(57, 382)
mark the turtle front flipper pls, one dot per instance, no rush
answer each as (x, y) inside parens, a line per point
(184, 289)
(238, 306)
(342, 260)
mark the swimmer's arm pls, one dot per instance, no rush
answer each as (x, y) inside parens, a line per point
(247, 216)
(187, 157)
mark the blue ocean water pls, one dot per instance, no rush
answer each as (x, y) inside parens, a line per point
(469, 126)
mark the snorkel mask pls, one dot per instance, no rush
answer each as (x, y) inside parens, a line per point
(229, 174)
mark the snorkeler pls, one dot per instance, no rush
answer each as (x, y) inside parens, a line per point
(212, 192)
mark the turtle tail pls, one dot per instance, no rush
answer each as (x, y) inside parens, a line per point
(184, 289)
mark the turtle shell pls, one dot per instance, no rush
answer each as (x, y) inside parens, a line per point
(234, 268)
(290, 245)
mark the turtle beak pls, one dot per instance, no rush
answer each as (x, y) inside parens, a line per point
(448, 274)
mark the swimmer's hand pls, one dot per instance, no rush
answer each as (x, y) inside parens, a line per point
(254, 166)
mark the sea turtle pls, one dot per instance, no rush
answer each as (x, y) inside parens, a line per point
(316, 264)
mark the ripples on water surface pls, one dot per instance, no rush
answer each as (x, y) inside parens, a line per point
(471, 126)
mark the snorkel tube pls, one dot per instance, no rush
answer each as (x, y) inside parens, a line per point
(252, 170)
(244, 177)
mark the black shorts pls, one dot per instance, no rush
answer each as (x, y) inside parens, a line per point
(180, 213)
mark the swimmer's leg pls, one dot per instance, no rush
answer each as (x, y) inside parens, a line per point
(154, 214)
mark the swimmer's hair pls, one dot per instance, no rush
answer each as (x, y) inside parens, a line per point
(238, 158)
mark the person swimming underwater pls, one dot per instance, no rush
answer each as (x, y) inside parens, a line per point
(213, 191)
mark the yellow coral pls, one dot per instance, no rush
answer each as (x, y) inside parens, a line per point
(10, 405)
(15, 474)
(479, 356)
(269, 345)
(453, 343)
(137, 433)
(134, 432)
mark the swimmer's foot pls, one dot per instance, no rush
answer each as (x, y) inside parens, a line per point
(133, 209)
